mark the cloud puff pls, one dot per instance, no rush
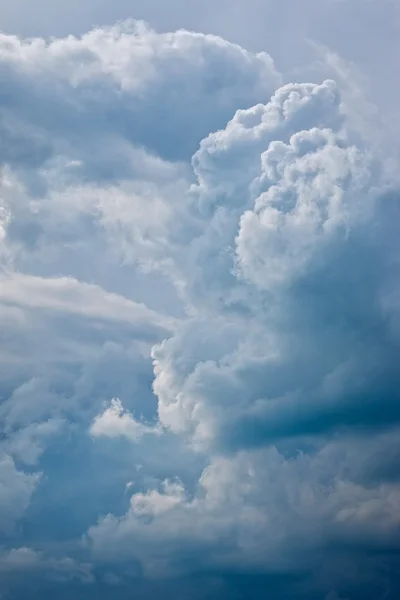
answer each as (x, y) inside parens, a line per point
(115, 422)
(28, 443)
(16, 489)
(307, 203)
(218, 253)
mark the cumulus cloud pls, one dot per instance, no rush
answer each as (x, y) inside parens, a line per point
(116, 422)
(132, 86)
(218, 253)
(28, 443)
(253, 510)
(290, 268)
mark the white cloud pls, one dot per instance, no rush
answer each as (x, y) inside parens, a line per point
(69, 296)
(116, 422)
(315, 191)
(132, 86)
(299, 221)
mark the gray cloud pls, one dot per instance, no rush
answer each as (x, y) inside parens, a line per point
(16, 489)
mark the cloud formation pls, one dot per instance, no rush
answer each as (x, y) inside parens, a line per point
(16, 489)
(200, 325)
(116, 422)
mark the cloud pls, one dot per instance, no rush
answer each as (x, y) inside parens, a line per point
(69, 296)
(216, 251)
(69, 341)
(26, 560)
(253, 513)
(290, 345)
(28, 443)
(296, 217)
(129, 83)
(16, 489)
(115, 422)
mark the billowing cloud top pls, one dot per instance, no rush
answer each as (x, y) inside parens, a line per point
(200, 327)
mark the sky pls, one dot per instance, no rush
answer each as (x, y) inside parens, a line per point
(199, 300)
